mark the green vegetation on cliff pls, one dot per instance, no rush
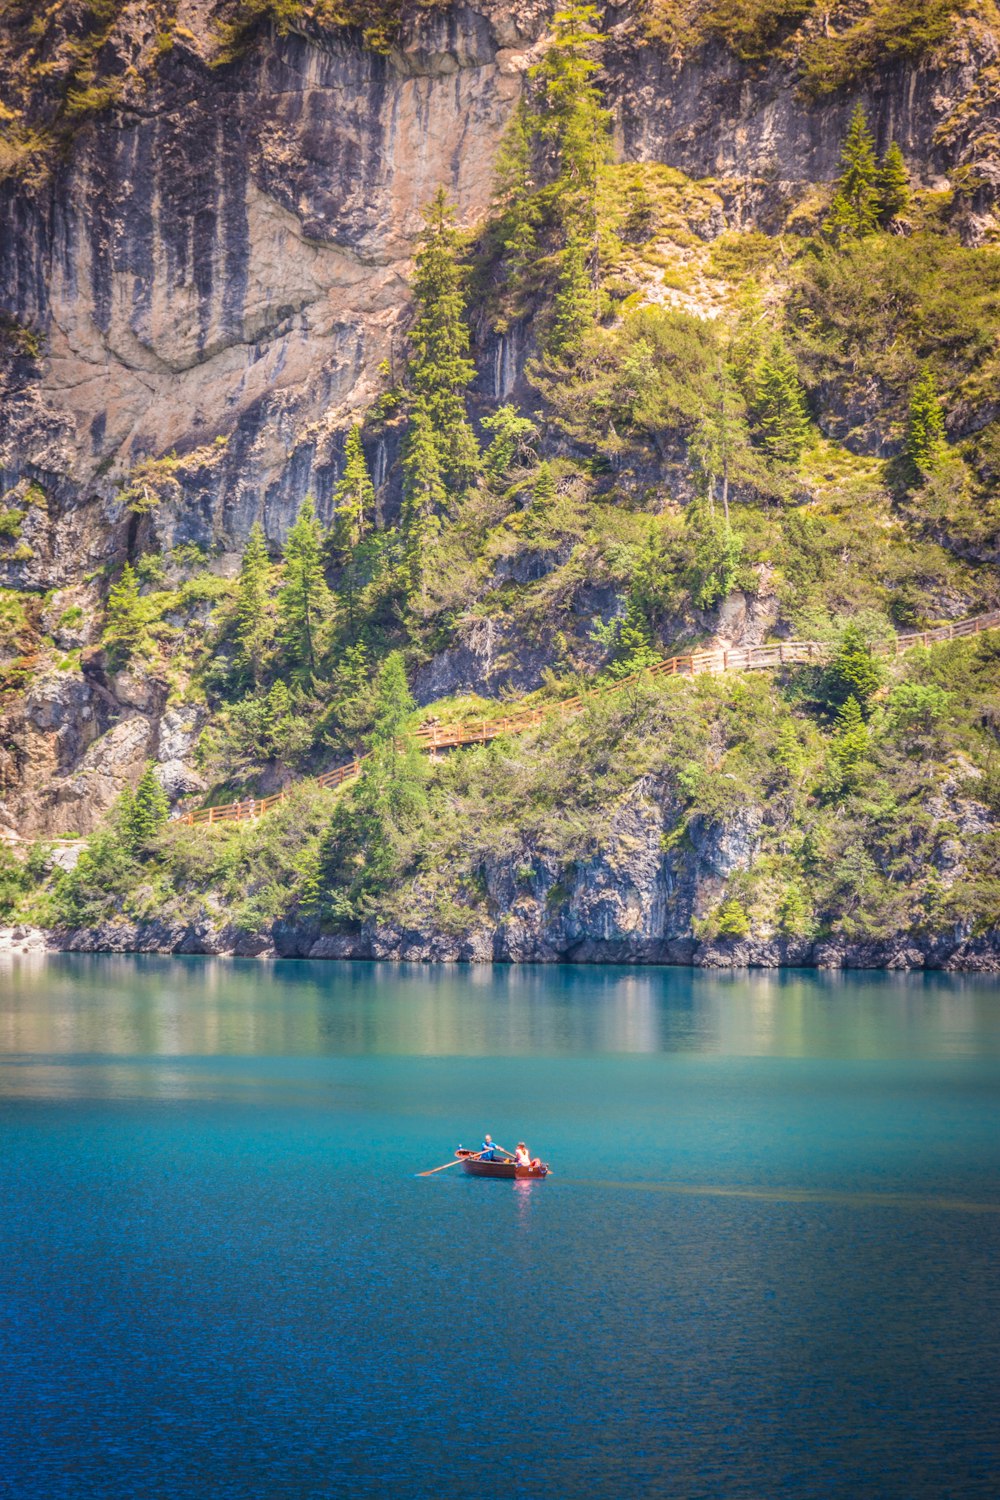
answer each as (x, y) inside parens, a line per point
(828, 56)
(844, 825)
(707, 434)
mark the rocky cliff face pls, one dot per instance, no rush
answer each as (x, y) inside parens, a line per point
(232, 261)
(218, 269)
(634, 902)
(229, 257)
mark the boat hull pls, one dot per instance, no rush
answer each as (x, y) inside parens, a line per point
(477, 1168)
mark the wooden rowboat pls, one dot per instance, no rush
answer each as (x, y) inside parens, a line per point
(476, 1168)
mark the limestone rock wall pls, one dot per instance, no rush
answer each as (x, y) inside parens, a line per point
(229, 256)
(232, 261)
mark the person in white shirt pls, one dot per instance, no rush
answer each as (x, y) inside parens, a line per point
(522, 1156)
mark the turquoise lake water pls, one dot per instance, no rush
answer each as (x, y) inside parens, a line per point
(765, 1265)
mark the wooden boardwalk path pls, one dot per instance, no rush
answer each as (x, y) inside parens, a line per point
(691, 664)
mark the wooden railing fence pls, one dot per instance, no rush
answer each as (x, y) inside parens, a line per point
(691, 664)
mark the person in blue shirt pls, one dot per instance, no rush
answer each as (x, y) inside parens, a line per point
(488, 1149)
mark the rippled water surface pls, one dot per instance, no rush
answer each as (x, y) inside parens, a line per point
(765, 1264)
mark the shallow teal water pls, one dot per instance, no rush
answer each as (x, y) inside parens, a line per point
(764, 1266)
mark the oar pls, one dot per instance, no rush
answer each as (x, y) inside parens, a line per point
(444, 1168)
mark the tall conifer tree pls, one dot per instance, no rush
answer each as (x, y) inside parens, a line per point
(925, 439)
(514, 199)
(142, 812)
(855, 207)
(576, 121)
(850, 744)
(780, 408)
(440, 368)
(365, 842)
(125, 630)
(720, 444)
(576, 300)
(305, 600)
(893, 186)
(748, 339)
(254, 625)
(354, 496)
(544, 494)
(424, 494)
(854, 673)
(575, 117)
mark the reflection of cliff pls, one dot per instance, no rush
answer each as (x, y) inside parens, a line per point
(153, 1028)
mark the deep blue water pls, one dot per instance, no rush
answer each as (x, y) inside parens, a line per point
(765, 1264)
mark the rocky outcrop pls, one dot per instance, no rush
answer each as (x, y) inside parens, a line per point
(714, 116)
(24, 941)
(78, 739)
(641, 888)
(979, 955)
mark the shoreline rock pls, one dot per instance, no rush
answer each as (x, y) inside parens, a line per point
(901, 953)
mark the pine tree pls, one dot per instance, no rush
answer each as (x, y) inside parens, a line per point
(855, 207)
(543, 496)
(731, 919)
(143, 812)
(440, 368)
(124, 816)
(578, 125)
(353, 704)
(747, 341)
(794, 916)
(354, 496)
(254, 624)
(634, 650)
(277, 716)
(575, 117)
(850, 742)
(854, 673)
(780, 413)
(575, 302)
(392, 784)
(893, 186)
(424, 492)
(720, 445)
(718, 552)
(124, 630)
(513, 437)
(393, 706)
(305, 601)
(365, 843)
(514, 201)
(925, 441)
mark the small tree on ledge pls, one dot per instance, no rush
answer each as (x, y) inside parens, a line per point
(926, 448)
(125, 629)
(354, 497)
(143, 812)
(893, 184)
